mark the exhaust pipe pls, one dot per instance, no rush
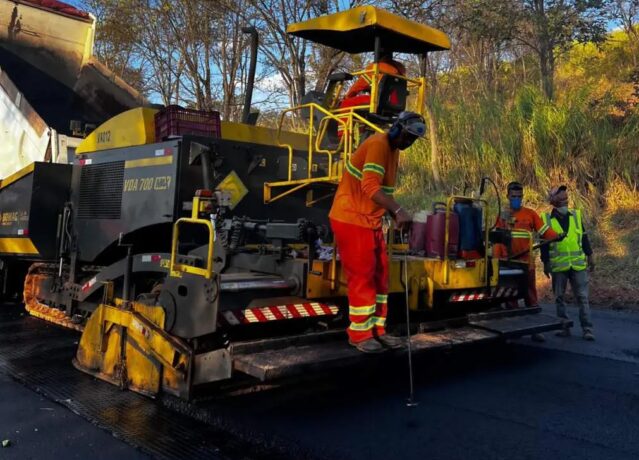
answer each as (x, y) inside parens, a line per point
(248, 96)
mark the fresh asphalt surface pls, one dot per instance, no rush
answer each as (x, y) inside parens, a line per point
(564, 399)
(38, 428)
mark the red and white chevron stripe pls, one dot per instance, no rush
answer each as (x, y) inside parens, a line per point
(501, 292)
(276, 313)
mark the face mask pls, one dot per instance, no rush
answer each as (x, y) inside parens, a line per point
(407, 141)
(515, 203)
(563, 210)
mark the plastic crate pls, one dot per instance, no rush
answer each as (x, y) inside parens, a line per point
(174, 120)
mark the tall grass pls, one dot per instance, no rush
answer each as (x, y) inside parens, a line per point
(530, 139)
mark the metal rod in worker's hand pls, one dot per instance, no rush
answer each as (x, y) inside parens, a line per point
(411, 397)
(536, 246)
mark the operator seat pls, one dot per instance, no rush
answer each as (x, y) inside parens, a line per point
(392, 92)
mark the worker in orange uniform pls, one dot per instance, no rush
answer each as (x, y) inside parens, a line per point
(362, 198)
(527, 221)
(359, 94)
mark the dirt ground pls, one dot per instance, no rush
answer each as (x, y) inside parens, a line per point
(605, 292)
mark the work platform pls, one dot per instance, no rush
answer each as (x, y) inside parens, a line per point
(273, 359)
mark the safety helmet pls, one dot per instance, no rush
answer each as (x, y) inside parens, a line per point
(412, 123)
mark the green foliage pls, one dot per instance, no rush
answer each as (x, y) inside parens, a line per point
(587, 137)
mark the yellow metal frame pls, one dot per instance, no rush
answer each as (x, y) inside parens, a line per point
(314, 141)
(176, 269)
(426, 276)
(348, 120)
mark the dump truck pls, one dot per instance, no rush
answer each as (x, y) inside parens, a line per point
(192, 251)
(52, 88)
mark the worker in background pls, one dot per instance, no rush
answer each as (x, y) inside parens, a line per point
(363, 197)
(362, 86)
(568, 259)
(522, 221)
(359, 94)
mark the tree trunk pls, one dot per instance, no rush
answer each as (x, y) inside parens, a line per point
(546, 67)
(432, 121)
(434, 145)
(545, 51)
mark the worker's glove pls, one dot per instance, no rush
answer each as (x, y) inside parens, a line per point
(547, 269)
(591, 263)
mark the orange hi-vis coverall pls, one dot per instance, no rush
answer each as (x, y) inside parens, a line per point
(528, 220)
(356, 223)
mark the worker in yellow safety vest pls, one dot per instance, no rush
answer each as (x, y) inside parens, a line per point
(567, 260)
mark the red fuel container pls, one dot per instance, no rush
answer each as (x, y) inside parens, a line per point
(417, 237)
(417, 234)
(436, 233)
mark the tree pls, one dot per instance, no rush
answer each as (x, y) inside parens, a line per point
(156, 47)
(483, 32)
(626, 13)
(292, 57)
(549, 27)
(117, 36)
(230, 60)
(434, 12)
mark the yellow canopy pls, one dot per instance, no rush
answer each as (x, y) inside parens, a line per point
(354, 31)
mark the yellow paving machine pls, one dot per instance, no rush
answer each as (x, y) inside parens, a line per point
(198, 256)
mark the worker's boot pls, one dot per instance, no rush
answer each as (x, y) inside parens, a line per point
(368, 346)
(588, 335)
(539, 338)
(564, 332)
(390, 341)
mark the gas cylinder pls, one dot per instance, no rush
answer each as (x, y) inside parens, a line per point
(470, 229)
(436, 232)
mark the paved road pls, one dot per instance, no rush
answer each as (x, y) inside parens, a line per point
(38, 428)
(569, 399)
(566, 399)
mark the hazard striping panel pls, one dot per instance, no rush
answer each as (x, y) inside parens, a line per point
(276, 313)
(496, 293)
